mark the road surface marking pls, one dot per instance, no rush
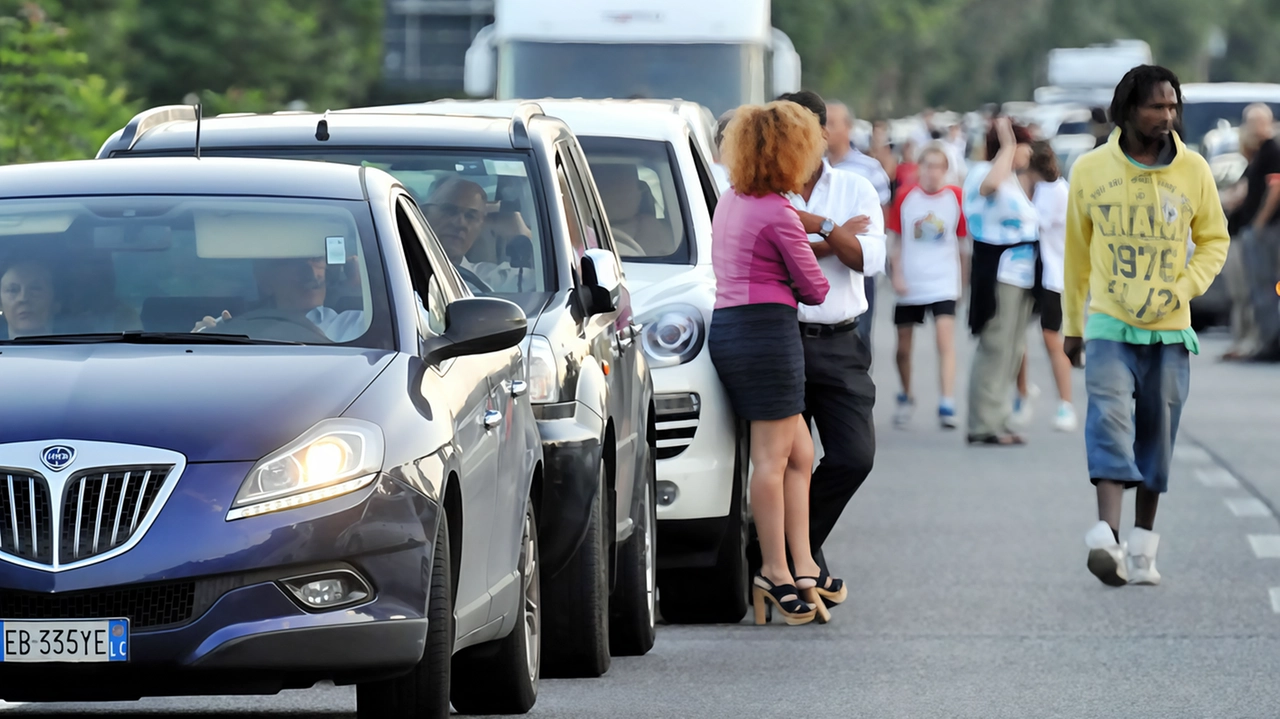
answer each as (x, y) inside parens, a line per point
(1217, 477)
(1191, 453)
(1247, 507)
(1275, 599)
(1266, 546)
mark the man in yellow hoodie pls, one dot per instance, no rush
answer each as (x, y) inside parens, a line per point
(1137, 207)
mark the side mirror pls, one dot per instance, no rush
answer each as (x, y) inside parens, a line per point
(477, 325)
(602, 279)
(786, 64)
(480, 66)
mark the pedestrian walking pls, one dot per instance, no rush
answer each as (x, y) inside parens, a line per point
(763, 263)
(841, 212)
(1133, 203)
(842, 155)
(927, 222)
(1049, 195)
(1004, 226)
(1254, 225)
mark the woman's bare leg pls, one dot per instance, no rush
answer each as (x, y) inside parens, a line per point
(796, 492)
(771, 446)
(946, 330)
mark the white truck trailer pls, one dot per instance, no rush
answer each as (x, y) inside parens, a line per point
(720, 53)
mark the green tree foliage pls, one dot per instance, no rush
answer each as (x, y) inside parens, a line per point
(892, 57)
(51, 106)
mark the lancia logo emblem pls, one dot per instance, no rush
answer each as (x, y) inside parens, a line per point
(58, 457)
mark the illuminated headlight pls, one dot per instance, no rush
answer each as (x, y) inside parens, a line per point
(333, 458)
(672, 335)
(544, 370)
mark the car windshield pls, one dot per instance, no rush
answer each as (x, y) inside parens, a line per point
(480, 205)
(725, 77)
(271, 270)
(638, 182)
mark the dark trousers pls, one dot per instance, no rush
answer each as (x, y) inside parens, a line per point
(1261, 250)
(839, 399)
(864, 322)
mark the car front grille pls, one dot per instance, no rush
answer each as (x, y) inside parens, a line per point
(26, 527)
(677, 422)
(148, 606)
(102, 508)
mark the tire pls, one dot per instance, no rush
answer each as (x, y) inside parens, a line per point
(632, 608)
(714, 595)
(501, 677)
(423, 693)
(576, 602)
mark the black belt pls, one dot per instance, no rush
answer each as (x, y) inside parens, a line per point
(809, 329)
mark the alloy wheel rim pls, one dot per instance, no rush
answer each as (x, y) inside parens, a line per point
(532, 599)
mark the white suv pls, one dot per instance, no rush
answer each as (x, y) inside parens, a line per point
(652, 168)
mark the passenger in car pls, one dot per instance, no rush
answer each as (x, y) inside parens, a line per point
(623, 193)
(27, 298)
(457, 210)
(298, 285)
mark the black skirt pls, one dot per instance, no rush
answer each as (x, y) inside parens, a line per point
(758, 355)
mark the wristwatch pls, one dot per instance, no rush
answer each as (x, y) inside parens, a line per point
(828, 225)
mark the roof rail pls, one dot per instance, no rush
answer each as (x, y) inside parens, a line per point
(144, 122)
(520, 124)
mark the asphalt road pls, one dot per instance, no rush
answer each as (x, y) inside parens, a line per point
(969, 593)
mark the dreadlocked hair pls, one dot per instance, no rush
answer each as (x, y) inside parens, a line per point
(1136, 87)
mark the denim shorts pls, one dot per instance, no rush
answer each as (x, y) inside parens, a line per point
(1136, 394)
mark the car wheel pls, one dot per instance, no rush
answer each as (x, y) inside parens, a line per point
(632, 608)
(501, 677)
(714, 595)
(423, 693)
(576, 602)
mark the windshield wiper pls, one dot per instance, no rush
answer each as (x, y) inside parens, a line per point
(145, 338)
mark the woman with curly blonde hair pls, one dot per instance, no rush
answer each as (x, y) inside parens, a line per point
(763, 265)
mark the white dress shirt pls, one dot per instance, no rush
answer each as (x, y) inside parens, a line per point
(842, 196)
(500, 277)
(338, 326)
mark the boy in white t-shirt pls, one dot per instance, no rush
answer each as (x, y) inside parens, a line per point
(927, 223)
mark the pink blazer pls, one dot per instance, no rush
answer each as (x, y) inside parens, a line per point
(758, 248)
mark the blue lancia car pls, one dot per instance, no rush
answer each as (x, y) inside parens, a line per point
(256, 433)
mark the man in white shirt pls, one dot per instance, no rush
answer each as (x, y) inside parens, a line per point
(457, 211)
(298, 285)
(844, 156)
(841, 211)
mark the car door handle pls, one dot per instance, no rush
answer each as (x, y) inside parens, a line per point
(492, 418)
(516, 387)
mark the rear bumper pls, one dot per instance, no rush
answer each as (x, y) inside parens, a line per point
(571, 435)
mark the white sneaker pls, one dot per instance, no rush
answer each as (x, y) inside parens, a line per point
(1066, 419)
(1106, 556)
(1141, 552)
(902, 415)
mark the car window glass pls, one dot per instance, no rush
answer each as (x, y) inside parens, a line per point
(643, 199)
(709, 190)
(269, 268)
(421, 276)
(581, 182)
(572, 217)
(483, 206)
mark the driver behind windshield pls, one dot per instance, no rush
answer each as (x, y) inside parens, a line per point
(27, 299)
(297, 286)
(457, 210)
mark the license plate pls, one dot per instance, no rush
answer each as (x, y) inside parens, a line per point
(74, 640)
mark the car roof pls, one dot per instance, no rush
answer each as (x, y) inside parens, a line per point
(345, 128)
(184, 176)
(645, 120)
(1230, 92)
